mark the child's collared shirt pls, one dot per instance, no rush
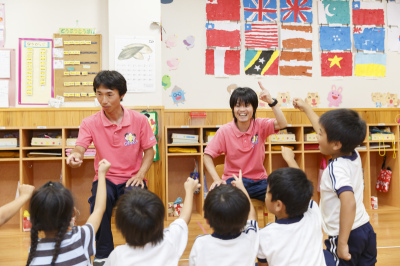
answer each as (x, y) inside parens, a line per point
(218, 250)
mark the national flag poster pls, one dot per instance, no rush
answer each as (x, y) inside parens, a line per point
(261, 35)
(296, 11)
(369, 39)
(223, 34)
(393, 14)
(262, 63)
(296, 37)
(223, 10)
(295, 63)
(260, 10)
(222, 63)
(333, 12)
(368, 13)
(334, 38)
(393, 39)
(336, 64)
(370, 65)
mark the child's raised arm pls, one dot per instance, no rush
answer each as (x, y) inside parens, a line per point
(10, 209)
(191, 185)
(238, 182)
(101, 196)
(288, 156)
(280, 121)
(306, 108)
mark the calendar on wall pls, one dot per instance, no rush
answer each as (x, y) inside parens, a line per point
(135, 60)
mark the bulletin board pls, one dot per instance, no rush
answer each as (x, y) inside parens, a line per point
(35, 71)
(81, 56)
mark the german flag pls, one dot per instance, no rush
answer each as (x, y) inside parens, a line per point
(261, 62)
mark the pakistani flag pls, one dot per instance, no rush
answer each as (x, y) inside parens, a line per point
(333, 12)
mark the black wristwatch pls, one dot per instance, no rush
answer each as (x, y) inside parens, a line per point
(274, 102)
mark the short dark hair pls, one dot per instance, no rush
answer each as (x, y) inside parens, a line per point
(345, 126)
(226, 208)
(244, 95)
(140, 217)
(112, 80)
(291, 186)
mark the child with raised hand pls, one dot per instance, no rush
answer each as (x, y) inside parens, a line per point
(10, 209)
(140, 219)
(229, 212)
(51, 209)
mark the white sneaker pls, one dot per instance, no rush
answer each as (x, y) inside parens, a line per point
(99, 262)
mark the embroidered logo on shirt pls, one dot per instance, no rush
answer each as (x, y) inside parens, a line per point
(254, 139)
(130, 139)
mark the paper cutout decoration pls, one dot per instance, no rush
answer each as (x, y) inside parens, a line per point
(222, 63)
(173, 63)
(312, 99)
(166, 82)
(393, 39)
(231, 88)
(370, 65)
(178, 95)
(260, 10)
(392, 99)
(171, 41)
(261, 62)
(261, 35)
(368, 13)
(283, 99)
(369, 39)
(334, 38)
(393, 14)
(336, 64)
(379, 99)
(296, 37)
(333, 12)
(296, 11)
(295, 63)
(335, 96)
(223, 34)
(223, 9)
(189, 42)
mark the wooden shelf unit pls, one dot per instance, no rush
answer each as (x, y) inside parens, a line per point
(180, 165)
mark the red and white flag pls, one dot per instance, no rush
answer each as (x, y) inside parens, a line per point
(296, 63)
(296, 37)
(223, 9)
(261, 35)
(368, 13)
(222, 63)
(223, 34)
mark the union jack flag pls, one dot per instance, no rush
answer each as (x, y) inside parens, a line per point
(260, 10)
(296, 11)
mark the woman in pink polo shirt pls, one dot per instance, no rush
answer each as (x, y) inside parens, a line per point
(243, 141)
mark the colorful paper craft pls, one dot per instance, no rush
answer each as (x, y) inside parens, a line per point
(223, 9)
(261, 62)
(379, 99)
(260, 10)
(393, 14)
(370, 65)
(166, 82)
(295, 63)
(223, 34)
(392, 100)
(296, 11)
(173, 63)
(189, 42)
(369, 39)
(336, 64)
(222, 63)
(334, 38)
(171, 41)
(296, 37)
(333, 12)
(261, 35)
(335, 96)
(178, 95)
(312, 99)
(394, 39)
(368, 13)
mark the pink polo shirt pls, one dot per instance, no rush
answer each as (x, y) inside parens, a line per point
(243, 150)
(121, 145)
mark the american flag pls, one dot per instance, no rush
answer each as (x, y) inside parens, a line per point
(261, 35)
(294, 10)
(260, 10)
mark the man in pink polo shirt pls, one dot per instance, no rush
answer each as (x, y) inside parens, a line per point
(243, 142)
(123, 137)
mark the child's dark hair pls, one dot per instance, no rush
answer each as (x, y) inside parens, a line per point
(244, 95)
(112, 80)
(291, 186)
(345, 126)
(51, 209)
(226, 208)
(140, 217)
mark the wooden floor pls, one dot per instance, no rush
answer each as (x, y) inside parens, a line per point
(15, 244)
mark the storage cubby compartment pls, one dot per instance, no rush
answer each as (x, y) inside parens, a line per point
(386, 135)
(9, 138)
(71, 134)
(9, 172)
(183, 131)
(312, 162)
(277, 161)
(41, 137)
(276, 148)
(310, 135)
(42, 152)
(287, 135)
(208, 134)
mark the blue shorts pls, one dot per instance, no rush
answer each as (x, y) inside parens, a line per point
(362, 247)
(256, 189)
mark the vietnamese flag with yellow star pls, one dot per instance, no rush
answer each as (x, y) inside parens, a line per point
(336, 64)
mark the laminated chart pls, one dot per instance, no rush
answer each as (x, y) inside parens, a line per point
(296, 37)
(370, 65)
(333, 12)
(295, 63)
(369, 39)
(336, 64)
(260, 10)
(264, 63)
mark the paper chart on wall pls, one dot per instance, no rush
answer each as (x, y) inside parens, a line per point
(5, 64)
(4, 93)
(135, 60)
(2, 25)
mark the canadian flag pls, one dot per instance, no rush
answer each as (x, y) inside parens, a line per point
(222, 63)
(223, 10)
(368, 13)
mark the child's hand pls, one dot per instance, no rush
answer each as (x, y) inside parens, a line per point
(191, 185)
(287, 154)
(300, 104)
(343, 252)
(104, 165)
(238, 182)
(264, 95)
(26, 191)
